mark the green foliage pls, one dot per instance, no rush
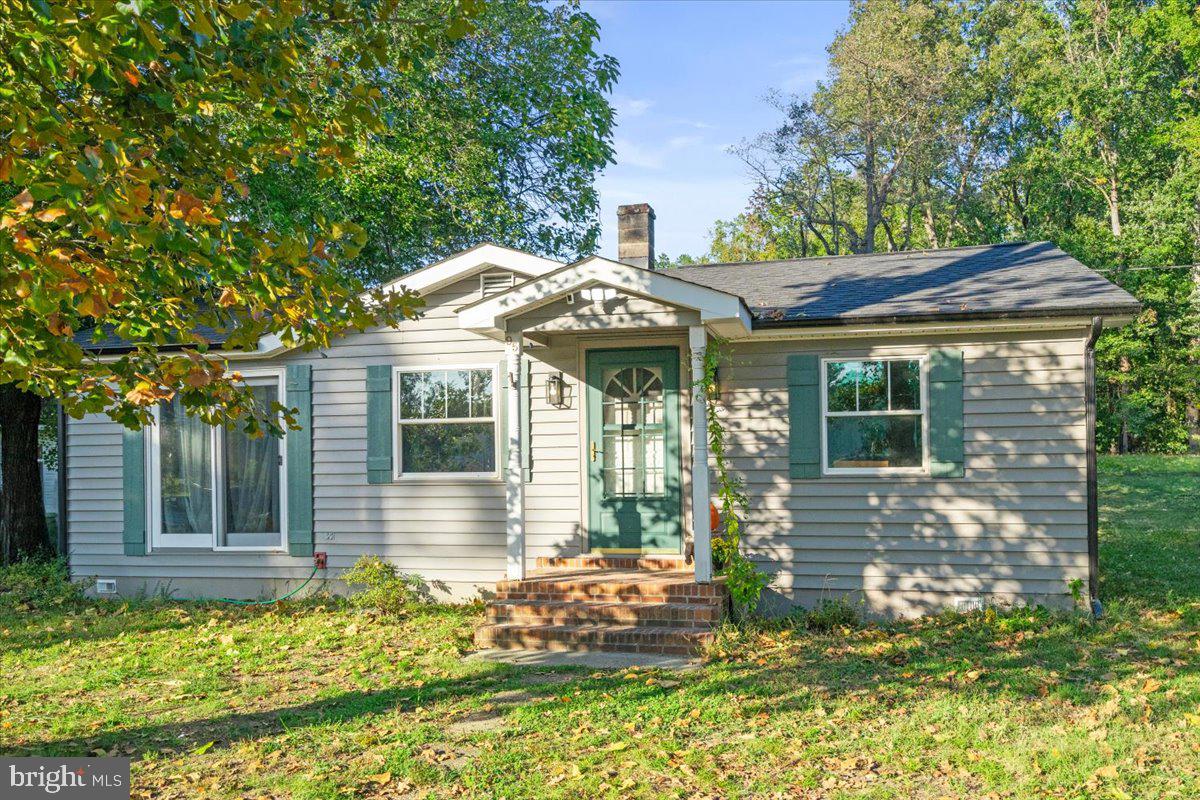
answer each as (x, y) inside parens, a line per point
(745, 584)
(385, 589)
(131, 133)
(1148, 372)
(42, 585)
(494, 136)
(743, 579)
(828, 616)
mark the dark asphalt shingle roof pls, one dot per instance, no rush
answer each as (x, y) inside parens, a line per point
(111, 343)
(987, 281)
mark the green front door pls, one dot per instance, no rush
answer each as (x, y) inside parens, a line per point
(634, 498)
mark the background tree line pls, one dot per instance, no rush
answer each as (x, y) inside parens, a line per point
(956, 122)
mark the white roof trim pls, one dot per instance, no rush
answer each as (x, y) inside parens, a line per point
(462, 265)
(723, 312)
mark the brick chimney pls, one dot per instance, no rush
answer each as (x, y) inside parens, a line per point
(635, 235)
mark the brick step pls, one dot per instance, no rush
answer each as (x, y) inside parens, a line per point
(576, 594)
(602, 587)
(669, 615)
(612, 562)
(608, 638)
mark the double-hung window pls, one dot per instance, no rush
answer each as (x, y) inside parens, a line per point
(214, 486)
(873, 416)
(446, 422)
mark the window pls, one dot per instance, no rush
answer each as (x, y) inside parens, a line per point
(874, 416)
(446, 422)
(215, 487)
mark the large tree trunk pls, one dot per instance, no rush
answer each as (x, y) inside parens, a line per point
(23, 532)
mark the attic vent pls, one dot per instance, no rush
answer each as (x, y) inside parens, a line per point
(495, 282)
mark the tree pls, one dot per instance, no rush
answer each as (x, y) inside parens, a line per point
(121, 186)
(495, 136)
(842, 156)
(23, 531)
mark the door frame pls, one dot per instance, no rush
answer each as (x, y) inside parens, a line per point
(672, 410)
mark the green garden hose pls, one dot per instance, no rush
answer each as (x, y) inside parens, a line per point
(231, 601)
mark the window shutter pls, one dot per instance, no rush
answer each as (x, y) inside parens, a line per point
(300, 462)
(946, 413)
(379, 424)
(804, 416)
(133, 454)
(526, 418)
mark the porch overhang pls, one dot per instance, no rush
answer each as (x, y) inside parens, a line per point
(722, 313)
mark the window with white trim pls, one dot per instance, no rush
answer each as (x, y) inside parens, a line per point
(446, 422)
(215, 486)
(873, 416)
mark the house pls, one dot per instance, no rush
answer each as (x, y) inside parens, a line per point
(914, 431)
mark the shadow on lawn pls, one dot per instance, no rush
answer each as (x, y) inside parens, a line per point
(155, 616)
(1052, 658)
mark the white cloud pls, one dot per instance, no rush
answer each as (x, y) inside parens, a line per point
(802, 73)
(692, 123)
(632, 154)
(631, 106)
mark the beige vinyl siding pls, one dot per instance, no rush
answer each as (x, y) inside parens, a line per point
(1013, 529)
(451, 533)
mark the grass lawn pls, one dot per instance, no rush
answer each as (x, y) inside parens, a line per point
(317, 701)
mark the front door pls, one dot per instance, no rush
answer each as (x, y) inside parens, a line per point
(634, 497)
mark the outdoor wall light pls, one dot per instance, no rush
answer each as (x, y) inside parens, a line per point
(558, 393)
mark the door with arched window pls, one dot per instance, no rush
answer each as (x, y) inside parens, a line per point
(633, 451)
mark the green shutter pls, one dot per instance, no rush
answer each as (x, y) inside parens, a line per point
(300, 462)
(804, 416)
(379, 423)
(946, 413)
(527, 419)
(133, 453)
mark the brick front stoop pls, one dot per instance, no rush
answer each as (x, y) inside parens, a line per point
(611, 604)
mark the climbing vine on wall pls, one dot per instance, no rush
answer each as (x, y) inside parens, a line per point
(742, 578)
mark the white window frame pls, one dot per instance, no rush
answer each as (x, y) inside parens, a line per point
(210, 541)
(826, 414)
(398, 423)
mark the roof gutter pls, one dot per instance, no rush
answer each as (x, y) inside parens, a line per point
(895, 319)
(1093, 497)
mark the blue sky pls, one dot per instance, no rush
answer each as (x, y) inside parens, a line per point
(694, 76)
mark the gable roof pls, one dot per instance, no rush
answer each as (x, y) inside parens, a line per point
(1014, 280)
(477, 259)
(723, 310)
